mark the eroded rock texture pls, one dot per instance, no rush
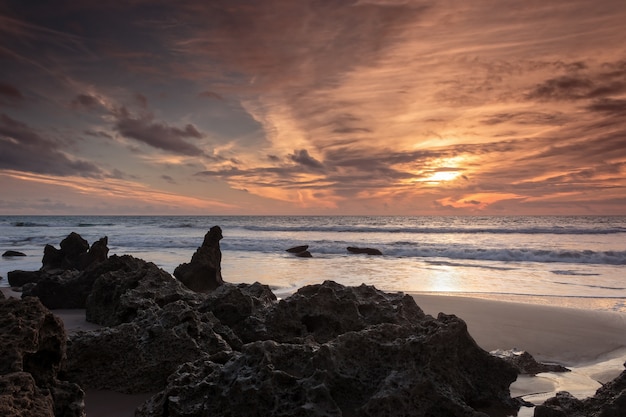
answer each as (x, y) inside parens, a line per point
(32, 348)
(331, 350)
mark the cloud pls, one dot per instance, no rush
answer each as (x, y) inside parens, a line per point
(159, 135)
(24, 149)
(85, 101)
(302, 157)
(10, 91)
(210, 94)
(616, 107)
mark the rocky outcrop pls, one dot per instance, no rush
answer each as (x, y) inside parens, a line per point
(526, 364)
(140, 355)
(32, 348)
(125, 285)
(367, 251)
(204, 272)
(429, 368)
(61, 283)
(608, 401)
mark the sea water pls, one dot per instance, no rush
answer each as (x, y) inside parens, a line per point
(577, 261)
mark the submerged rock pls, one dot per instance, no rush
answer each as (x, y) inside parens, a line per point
(367, 251)
(204, 272)
(12, 253)
(298, 249)
(32, 348)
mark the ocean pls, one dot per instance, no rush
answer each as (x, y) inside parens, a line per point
(577, 261)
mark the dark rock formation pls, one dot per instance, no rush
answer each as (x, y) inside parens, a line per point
(12, 253)
(609, 401)
(58, 282)
(367, 251)
(429, 368)
(124, 285)
(139, 356)
(324, 311)
(204, 272)
(32, 348)
(526, 364)
(20, 278)
(72, 247)
(298, 249)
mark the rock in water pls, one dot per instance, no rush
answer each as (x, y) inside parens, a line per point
(32, 348)
(204, 272)
(526, 363)
(367, 251)
(12, 253)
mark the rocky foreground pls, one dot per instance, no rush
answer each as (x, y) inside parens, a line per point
(235, 350)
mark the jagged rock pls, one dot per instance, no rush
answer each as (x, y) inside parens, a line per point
(298, 249)
(12, 253)
(324, 311)
(20, 278)
(32, 348)
(59, 290)
(304, 254)
(125, 285)
(241, 307)
(367, 251)
(75, 253)
(526, 364)
(138, 356)
(204, 272)
(98, 252)
(430, 368)
(608, 401)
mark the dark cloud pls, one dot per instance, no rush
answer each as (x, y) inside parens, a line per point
(210, 94)
(302, 157)
(169, 179)
(24, 149)
(566, 87)
(616, 107)
(141, 100)
(85, 101)
(159, 135)
(526, 118)
(10, 91)
(97, 134)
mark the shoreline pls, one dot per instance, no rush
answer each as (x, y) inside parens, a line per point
(591, 343)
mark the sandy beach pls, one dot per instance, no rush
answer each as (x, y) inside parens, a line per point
(591, 343)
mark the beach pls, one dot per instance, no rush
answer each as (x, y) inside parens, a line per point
(591, 343)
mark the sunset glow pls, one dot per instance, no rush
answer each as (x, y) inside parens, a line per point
(350, 107)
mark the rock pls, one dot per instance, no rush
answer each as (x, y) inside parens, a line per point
(19, 278)
(75, 253)
(125, 285)
(98, 252)
(298, 249)
(525, 363)
(204, 272)
(429, 368)
(138, 356)
(241, 307)
(304, 254)
(32, 348)
(12, 253)
(324, 311)
(367, 251)
(608, 401)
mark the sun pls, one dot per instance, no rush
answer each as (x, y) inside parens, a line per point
(442, 176)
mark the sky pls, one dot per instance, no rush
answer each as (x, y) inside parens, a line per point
(313, 107)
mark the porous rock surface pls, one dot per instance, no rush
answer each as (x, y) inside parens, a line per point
(379, 355)
(32, 348)
(526, 364)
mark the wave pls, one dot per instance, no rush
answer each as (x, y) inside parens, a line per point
(29, 224)
(556, 230)
(94, 224)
